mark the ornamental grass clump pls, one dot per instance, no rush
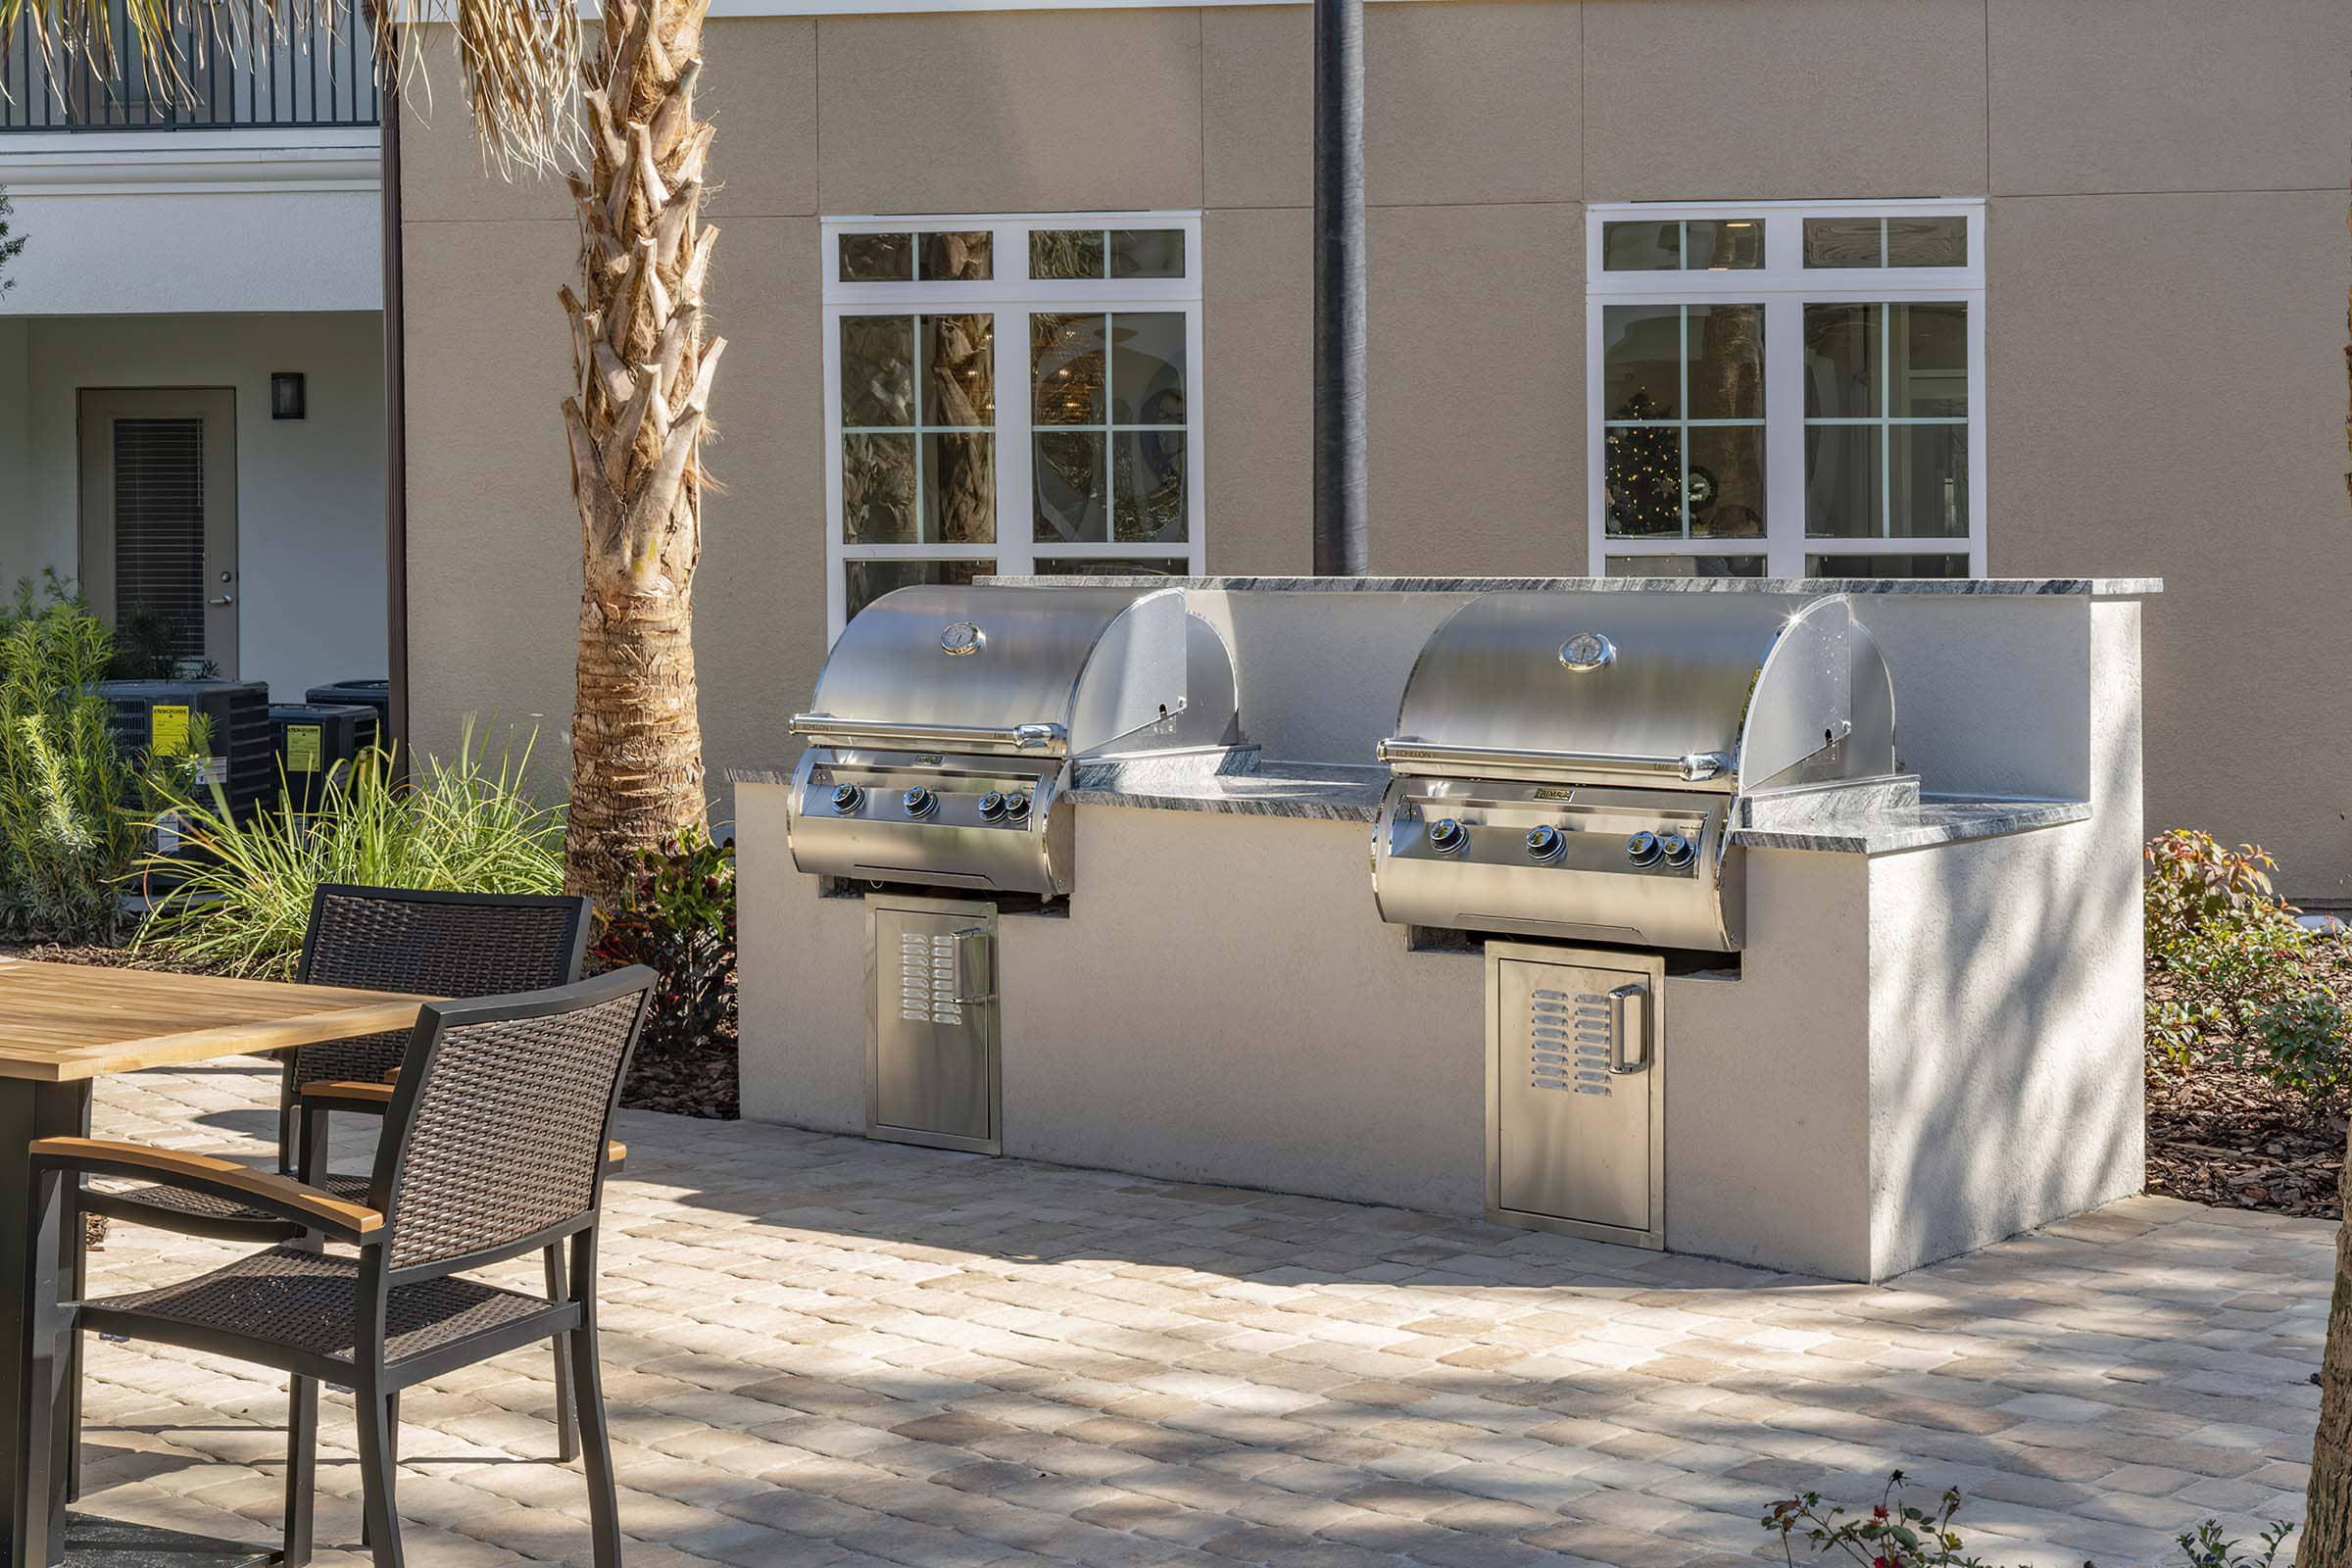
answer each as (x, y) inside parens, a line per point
(239, 892)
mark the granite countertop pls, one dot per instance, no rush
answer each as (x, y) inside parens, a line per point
(1867, 819)
(1980, 587)
(1328, 792)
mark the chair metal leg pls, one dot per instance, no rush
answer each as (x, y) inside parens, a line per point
(391, 1456)
(302, 1469)
(567, 1426)
(596, 1439)
(376, 1421)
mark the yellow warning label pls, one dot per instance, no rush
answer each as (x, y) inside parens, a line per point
(303, 747)
(168, 730)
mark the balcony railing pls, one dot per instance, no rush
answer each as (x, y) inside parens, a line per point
(310, 66)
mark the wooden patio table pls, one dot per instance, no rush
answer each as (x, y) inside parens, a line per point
(63, 1027)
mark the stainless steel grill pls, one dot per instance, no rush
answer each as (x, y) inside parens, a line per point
(948, 722)
(1568, 764)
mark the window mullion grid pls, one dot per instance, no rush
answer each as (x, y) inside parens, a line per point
(1784, 435)
(1016, 443)
(1196, 504)
(836, 573)
(919, 400)
(1110, 490)
(1682, 434)
(1886, 406)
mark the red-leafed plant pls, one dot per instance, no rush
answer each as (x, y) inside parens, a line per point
(677, 917)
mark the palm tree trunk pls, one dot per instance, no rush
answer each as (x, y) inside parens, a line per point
(642, 371)
(2327, 1541)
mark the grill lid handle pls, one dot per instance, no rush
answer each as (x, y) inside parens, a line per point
(1404, 751)
(1051, 740)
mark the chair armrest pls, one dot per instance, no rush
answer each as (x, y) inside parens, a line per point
(222, 1178)
(347, 1096)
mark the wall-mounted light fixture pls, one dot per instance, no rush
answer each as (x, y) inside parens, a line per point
(287, 395)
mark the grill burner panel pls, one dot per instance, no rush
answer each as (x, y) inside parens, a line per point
(1569, 764)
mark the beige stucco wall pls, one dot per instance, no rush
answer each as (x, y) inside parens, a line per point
(2166, 185)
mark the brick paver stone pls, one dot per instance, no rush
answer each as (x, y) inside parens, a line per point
(828, 1353)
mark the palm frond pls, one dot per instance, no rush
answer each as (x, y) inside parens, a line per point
(517, 59)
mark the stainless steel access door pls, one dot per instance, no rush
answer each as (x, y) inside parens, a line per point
(1575, 1092)
(932, 1014)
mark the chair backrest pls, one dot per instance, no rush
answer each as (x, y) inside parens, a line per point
(497, 1131)
(433, 944)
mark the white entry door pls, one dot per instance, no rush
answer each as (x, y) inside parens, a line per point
(158, 513)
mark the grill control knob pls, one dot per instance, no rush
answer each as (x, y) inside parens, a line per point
(920, 801)
(1545, 843)
(1643, 849)
(1017, 807)
(847, 798)
(1447, 836)
(992, 805)
(1676, 849)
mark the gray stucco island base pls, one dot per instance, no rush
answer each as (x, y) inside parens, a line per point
(1930, 1041)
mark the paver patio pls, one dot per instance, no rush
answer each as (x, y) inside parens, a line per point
(826, 1352)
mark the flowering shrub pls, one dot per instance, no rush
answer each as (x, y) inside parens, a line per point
(2191, 880)
(678, 919)
(1896, 1534)
(2244, 980)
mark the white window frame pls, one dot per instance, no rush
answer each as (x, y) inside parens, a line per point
(1012, 297)
(1784, 285)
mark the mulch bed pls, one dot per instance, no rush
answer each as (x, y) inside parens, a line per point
(2220, 1135)
(687, 1078)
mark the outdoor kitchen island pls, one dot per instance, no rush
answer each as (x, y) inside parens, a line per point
(1922, 1035)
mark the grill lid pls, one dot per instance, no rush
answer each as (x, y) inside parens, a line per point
(1052, 672)
(1729, 691)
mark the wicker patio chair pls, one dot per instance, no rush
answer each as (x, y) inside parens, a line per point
(380, 938)
(493, 1148)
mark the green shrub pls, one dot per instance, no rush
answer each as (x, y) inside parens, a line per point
(461, 826)
(74, 806)
(677, 917)
(1898, 1534)
(2299, 1045)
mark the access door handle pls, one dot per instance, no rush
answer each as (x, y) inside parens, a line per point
(975, 967)
(224, 599)
(1629, 1019)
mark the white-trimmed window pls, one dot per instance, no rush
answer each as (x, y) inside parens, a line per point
(1786, 389)
(1010, 395)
